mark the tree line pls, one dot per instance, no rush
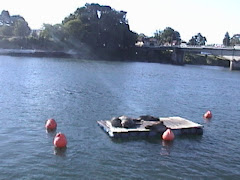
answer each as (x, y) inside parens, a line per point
(171, 37)
(94, 26)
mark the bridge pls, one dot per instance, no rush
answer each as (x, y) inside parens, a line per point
(230, 53)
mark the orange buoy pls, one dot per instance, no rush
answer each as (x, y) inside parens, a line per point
(208, 115)
(168, 135)
(60, 140)
(51, 124)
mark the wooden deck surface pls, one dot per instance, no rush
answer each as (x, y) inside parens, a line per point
(179, 123)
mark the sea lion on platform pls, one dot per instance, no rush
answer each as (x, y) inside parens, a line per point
(148, 118)
(127, 122)
(157, 127)
(116, 122)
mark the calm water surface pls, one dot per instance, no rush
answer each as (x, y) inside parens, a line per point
(77, 93)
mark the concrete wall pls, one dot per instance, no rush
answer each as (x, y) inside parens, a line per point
(234, 65)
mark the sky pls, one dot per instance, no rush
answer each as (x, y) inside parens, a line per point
(211, 18)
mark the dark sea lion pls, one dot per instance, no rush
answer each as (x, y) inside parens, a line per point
(116, 122)
(127, 122)
(157, 127)
(148, 118)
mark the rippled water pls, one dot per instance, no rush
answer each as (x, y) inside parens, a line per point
(77, 93)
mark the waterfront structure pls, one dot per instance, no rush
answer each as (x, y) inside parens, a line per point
(231, 53)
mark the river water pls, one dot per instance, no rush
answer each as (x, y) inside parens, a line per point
(78, 93)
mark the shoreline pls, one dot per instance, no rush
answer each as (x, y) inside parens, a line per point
(131, 55)
(33, 53)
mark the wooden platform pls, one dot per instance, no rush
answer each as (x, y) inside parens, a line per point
(179, 126)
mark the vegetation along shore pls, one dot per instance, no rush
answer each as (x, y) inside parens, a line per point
(97, 32)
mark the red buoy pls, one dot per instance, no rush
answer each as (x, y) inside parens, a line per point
(208, 115)
(51, 124)
(60, 140)
(168, 135)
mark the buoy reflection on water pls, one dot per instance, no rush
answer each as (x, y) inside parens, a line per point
(60, 151)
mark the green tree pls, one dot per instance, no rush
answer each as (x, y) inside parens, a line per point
(198, 40)
(226, 40)
(21, 28)
(53, 32)
(13, 25)
(158, 36)
(53, 37)
(192, 41)
(100, 26)
(47, 31)
(6, 31)
(168, 36)
(74, 28)
(13, 30)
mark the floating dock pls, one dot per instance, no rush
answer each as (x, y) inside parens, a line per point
(178, 125)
